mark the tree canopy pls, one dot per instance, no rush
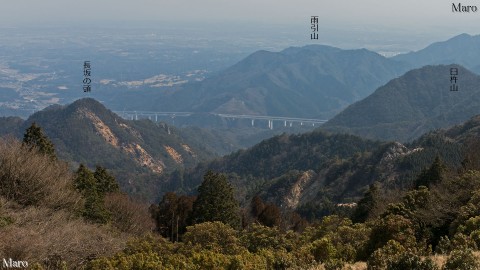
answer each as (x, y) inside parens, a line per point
(216, 201)
(34, 137)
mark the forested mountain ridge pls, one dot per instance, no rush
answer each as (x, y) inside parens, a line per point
(254, 168)
(44, 207)
(411, 105)
(137, 152)
(315, 171)
(313, 82)
(365, 204)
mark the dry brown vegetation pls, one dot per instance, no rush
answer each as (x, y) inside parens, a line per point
(30, 178)
(38, 233)
(128, 215)
(40, 210)
(440, 260)
(355, 266)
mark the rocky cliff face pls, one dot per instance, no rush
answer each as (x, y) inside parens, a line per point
(342, 181)
(133, 147)
(87, 132)
(298, 191)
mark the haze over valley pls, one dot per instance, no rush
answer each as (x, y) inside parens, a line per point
(222, 136)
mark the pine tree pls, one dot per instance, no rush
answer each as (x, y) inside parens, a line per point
(216, 201)
(34, 137)
(105, 182)
(434, 174)
(84, 180)
(366, 205)
(86, 183)
(95, 208)
(172, 215)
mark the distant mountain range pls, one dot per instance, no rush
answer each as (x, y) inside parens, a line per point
(463, 49)
(313, 81)
(294, 171)
(139, 152)
(411, 105)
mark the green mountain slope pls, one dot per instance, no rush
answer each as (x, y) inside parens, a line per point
(10, 125)
(311, 81)
(315, 171)
(413, 104)
(281, 158)
(137, 152)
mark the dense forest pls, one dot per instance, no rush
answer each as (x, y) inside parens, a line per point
(58, 219)
(410, 105)
(136, 152)
(315, 171)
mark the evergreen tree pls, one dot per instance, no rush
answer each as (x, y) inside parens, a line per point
(94, 209)
(84, 180)
(216, 201)
(34, 137)
(105, 182)
(366, 204)
(172, 214)
(433, 175)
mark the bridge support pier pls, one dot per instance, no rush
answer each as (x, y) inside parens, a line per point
(287, 121)
(270, 124)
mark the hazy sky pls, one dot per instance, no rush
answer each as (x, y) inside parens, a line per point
(398, 13)
(372, 24)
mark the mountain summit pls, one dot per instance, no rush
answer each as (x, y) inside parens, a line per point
(137, 152)
(463, 49)
(312, 82)
(415, 103)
